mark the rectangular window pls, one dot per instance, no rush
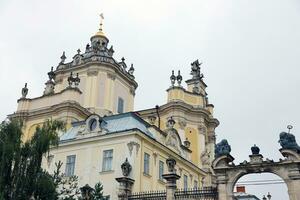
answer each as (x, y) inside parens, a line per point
(161, 170)
(120, 105)
(70, 165)
(185, 182)
(146, 163)
(107, 160)
(196, 184)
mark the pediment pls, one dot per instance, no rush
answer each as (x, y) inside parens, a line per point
(173, 140)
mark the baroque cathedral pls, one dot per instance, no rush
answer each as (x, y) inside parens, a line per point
(94, 95)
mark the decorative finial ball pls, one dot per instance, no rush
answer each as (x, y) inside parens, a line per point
(289, 127)
(255, 150)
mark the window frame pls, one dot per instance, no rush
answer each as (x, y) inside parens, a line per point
(146, 167)
(185, 182)
(107, 159)
(70, 165)
(161, 170)
(121, 102)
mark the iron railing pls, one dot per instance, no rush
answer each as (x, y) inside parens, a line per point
(150, 195)
(204, 193)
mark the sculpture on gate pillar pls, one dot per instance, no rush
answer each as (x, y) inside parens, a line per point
(288, 141)
(222, 148)
(126, 168)
(256, 157)
(290, 149)
(125, 182)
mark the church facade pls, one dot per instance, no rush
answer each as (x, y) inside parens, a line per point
(94, 95)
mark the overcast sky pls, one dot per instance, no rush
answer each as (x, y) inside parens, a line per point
(250, 51)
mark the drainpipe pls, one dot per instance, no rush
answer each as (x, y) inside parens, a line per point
(157, 108)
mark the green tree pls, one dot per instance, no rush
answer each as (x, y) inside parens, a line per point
(98, 194)
(21, 175)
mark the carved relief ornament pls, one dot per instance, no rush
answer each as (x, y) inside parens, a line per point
(130, 146)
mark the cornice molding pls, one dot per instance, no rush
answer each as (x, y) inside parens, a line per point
(68, 106)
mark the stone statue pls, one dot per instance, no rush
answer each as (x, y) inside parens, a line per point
(131, 70)
(62, 58)
(173, 78)
(70, 79)
(179, 78)
(49, 89)
(222, 148)
(111, 51)
(205, 157)
(51, 74)
(255, 150)
(126, 168)
(171, 162)
(196, 70)
(77, 80)
(288, 141)
(24, 91)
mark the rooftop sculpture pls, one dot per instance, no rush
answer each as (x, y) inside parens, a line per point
(195, 71)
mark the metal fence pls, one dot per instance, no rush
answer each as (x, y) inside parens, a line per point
(150, 195)
(205, 193)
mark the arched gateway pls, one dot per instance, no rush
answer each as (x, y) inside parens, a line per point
(228, 173)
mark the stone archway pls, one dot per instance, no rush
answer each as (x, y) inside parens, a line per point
(227, 173)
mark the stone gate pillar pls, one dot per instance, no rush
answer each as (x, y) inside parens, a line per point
(292, 167)
(125, 187)
(171, 179)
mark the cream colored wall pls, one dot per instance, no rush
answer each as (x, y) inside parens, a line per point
(101, 88)
(88, 164)
(152, 182)
(89, 153)
(180, 94)
(48, 101)
(31, 124)
(191, 127)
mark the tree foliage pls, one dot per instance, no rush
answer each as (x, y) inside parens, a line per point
(21, 175)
